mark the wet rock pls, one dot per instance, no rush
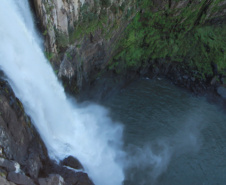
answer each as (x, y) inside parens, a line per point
(3, 181)
(156, 70)
(9, 165)
(14, 137)
(83, 179)
(222, 92)
(144, 70)
(3, 173)
(19, 141)
(72, 162)
(34, 165)
(78, 178)
(53, 179)
(213, 80)
(19, 178)
(70, 176)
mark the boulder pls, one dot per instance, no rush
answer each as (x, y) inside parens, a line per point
(78, 178)
(53, 179)
(9, 165)
(69, 175)
(72, 162)
(83, 179)
(222, 91)
(20, 179)
(3, 181)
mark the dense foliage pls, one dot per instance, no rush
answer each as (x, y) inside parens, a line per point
(180, 35)
(157, 30)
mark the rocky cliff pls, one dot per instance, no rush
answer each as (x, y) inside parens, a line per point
(23, 155)
(115, 40)
(86, 39)
(79, 36)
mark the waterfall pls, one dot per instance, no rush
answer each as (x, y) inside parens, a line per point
(66, 127)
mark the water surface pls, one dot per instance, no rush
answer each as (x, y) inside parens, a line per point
(171, 137)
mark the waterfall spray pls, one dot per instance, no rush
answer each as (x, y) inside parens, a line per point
(67, 128)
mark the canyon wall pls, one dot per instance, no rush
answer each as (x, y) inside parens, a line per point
(86, 39)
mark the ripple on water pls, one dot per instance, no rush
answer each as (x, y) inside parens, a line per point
(192, 129)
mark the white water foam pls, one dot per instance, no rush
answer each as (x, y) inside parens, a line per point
(85, 132)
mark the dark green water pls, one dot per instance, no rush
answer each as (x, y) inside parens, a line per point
(171, 137)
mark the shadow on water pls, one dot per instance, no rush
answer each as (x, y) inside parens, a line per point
(170, 136)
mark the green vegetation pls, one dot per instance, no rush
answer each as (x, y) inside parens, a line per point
(88, 22)
(49, 55)
(179, 34)
(96, 18)
(156, 30)
(62, 39)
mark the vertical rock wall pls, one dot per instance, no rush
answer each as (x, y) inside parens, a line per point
(57, 17)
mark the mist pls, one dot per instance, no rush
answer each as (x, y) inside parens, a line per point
(85, 131)
(146, 164)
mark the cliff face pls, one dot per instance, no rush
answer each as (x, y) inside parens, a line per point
(23, 155)
(57, 17)
(79, 36)
(18, 140)
(84, 39)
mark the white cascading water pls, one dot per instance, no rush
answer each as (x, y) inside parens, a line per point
(67, 128)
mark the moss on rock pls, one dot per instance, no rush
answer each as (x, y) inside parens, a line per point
(180, 34)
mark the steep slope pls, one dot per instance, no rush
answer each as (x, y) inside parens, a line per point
(85, 39)
(23, 155)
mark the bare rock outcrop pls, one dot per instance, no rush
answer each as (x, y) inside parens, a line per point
(57, 17)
